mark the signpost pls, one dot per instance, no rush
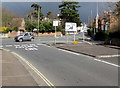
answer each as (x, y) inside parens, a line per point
(55, 24)
(83, 26)
(70, 27)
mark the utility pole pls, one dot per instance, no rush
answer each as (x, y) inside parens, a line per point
(97, 16)
(38, 16)
(91, 17)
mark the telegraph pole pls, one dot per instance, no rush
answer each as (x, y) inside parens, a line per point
(38, 16)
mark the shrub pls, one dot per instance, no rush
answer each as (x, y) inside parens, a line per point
(62, 31)
(114, 34)
(15, 29)
(101, 35)
(90, 32)
(9, 30)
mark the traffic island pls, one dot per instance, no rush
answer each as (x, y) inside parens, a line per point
(90, 50)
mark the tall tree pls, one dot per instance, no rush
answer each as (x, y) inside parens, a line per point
(36, 9)
(117, 9)
(69, 12)
(51, 15)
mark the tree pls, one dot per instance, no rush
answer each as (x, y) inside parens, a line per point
(37, 9)
(117, 13)
(117, 9)
(29, 26)
(69, 12)
(51, 15)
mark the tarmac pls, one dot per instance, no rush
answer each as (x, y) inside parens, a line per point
(101, 52)
(15, 74)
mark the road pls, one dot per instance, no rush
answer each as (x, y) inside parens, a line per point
(63, 68)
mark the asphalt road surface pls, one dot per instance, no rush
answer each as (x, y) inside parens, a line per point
(64, 68)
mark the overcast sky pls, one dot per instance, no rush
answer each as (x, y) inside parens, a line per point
(23, 8)
(59, 0)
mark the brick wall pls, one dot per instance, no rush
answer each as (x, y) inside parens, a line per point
(14, 33)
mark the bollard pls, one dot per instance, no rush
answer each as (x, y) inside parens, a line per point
(75, 42)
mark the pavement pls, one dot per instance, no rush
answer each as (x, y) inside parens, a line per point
(14, 73)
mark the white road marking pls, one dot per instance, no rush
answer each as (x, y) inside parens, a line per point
(43, 45)
(94, 59)
(17, 46)
(33, 45)
(9, 45)
(40, 44)
(107, 56)
(69, 52)
(1, 46)
(106, 62)
(30, 49)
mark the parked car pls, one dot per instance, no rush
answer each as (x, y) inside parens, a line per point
(24, 37)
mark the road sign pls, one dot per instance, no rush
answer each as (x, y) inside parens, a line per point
(55, 23)
(70, 26)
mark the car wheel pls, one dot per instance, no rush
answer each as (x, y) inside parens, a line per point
(32, 39)
(20, 40)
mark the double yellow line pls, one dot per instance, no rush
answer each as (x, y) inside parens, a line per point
(34, 69)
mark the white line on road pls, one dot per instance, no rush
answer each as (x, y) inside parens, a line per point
(9, 45)
(69, 52)
(94, 59)
(43, 45)
(40, 44)
(106, 62)
(107, 56)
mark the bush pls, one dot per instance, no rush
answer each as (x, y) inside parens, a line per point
(101, 35)
(62, 31)
(90, 32)
(9, 30)
(15, 29)
(114, 34)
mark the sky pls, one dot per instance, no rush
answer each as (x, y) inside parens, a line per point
(23, 8)
(59, 0)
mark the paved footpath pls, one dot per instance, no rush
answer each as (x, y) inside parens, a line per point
(14, 73)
